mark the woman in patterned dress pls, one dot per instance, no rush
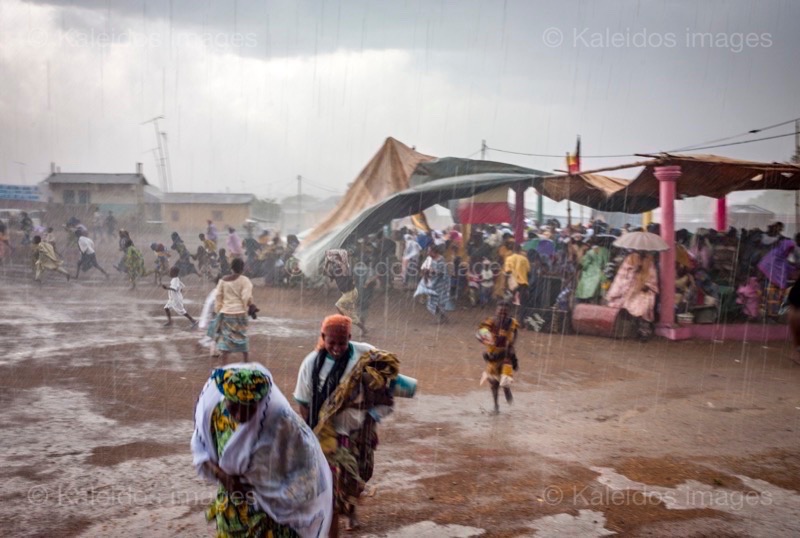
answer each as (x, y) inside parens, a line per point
(273, 479)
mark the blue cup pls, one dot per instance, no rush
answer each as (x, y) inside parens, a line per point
(404, 386)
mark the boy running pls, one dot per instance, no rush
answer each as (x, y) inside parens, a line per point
(175, 301)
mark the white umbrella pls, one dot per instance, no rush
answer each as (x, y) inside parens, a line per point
(641, 241)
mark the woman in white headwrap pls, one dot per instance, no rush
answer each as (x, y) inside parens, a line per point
(273, 477)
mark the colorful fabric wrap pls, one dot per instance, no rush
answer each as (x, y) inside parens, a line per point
(348, 305)
(275, 453)
(375, 370)
(230, 332)
(351, 458)
(241, 385)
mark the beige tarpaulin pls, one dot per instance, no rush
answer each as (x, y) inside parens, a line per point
(701, 175)
(705, 175)
(580, 188)
(386, 173)
(587, 189)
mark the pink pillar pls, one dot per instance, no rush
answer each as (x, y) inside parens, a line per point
(667, 175)
(722, 215)
(519, 215)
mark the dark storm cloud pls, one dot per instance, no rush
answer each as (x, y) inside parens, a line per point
(485, 43)
(332, 79)
(287, 27)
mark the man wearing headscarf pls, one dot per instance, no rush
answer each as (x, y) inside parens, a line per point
(273, 477)
(343, 391)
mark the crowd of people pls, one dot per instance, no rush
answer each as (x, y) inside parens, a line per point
(297, 476)
(741, 275)
(266, 256)
(344, 388)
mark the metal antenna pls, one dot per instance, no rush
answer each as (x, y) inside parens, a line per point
(162, 171)
(168, 169)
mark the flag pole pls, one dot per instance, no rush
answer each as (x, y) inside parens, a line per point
(569, 184)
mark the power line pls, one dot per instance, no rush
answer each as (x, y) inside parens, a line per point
(686, 148)
(740, 142)
(313, 184)
(751, 131)
(558, 156)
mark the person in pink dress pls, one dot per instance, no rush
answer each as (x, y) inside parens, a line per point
(634, 290)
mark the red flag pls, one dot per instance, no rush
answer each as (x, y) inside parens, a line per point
(574, 159)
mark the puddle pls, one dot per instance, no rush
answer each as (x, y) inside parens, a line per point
(62, 449)
(587, 524)
(429, 529)
(400, 475)
(765, 510)
(279, 328)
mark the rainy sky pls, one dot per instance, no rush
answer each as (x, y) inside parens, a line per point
(256, 92)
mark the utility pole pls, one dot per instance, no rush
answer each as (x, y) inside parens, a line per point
(569, 204)
(483, 150)
(539, 208)
(168, 168)
(162, 171)
(299, 203)
(796, 160)
(21, 171)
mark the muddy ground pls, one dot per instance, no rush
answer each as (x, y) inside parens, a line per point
(605, 437)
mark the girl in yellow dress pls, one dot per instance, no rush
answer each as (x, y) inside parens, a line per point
(498, 334)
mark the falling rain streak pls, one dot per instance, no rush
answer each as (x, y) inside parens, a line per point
(572, 225)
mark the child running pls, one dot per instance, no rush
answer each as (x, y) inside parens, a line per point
(162, 262)
(175, 301)
(498, 334)
(45, 259)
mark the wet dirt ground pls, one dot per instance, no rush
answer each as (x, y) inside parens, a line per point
(604, 438)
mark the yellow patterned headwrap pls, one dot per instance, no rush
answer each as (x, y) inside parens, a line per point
(241, 385)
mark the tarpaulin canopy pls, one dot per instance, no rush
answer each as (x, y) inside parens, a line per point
(706, 175)
(440, 180)
(585, 189)
(386, 173)
(445, 167)
(701, 175)
(403, 204)
(489, 207)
